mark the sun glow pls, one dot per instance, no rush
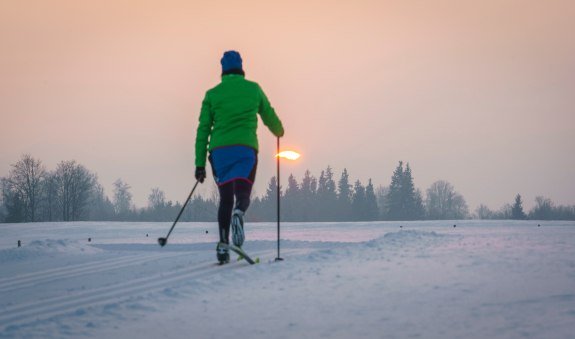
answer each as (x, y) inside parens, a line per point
(290, 155)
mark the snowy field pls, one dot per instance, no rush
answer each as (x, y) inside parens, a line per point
(481, 279)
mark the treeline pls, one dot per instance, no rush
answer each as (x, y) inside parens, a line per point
(544, 209)
(328, 199)
(30, 193)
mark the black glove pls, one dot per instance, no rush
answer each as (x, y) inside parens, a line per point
(200, 174)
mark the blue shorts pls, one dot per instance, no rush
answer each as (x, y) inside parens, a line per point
(233, 163)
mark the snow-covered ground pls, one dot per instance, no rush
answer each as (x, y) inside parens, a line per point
(481, 279)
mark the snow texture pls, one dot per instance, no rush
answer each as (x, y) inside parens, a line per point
(480, 279)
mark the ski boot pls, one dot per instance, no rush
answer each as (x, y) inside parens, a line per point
(238, 227)
(223, 254)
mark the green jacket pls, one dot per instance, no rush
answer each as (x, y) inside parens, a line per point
(229, 116)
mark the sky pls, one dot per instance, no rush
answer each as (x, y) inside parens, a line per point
(477, 93)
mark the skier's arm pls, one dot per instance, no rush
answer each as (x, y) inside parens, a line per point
(269, 116)
(204, 130)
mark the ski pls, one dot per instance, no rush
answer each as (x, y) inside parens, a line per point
(239, 251)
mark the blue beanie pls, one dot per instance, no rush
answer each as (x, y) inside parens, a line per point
(231, 60)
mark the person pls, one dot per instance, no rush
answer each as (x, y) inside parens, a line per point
(227, 130)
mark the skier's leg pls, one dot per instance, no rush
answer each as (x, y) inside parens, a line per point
(242, 191)
(224, 218)
(243, 188)
(225, 210)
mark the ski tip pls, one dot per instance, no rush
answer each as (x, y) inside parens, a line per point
(257, 260)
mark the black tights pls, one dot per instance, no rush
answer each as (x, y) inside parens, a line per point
(241, 189)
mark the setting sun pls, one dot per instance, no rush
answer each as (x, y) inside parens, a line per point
(290, 155)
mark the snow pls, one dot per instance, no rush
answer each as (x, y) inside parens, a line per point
(481, 279)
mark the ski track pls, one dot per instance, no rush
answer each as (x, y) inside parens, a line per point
(44, 309)
(31, 279)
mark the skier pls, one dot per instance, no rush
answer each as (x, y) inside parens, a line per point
(227, 129)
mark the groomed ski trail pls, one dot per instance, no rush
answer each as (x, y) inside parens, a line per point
(41, 277)
(169, 277)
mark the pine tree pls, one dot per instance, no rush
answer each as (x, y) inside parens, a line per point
(394, 208)
(308, 196)
(321, 196)
(359, 202)
(271, 191)
(256, 210)
(419, 211)
(408, 200)
(382, 193)
(517, 209)
(291, 201)
(344, 196)
(269, 201)
(403, 201)
(327, 196)
(330, 183)
(371, 208)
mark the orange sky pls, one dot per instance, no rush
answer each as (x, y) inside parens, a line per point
(478, 93)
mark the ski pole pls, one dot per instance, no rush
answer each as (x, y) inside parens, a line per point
(278, 197)
(164, 241)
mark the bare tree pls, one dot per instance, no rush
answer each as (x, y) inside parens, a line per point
(74, 184)
(504, 213)
(156, 199)
(50, 208)
(443, 202)
(483, 212)
(3, 209)
(24, 186)
(543, 209)
(100, 207)
(122, 198)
